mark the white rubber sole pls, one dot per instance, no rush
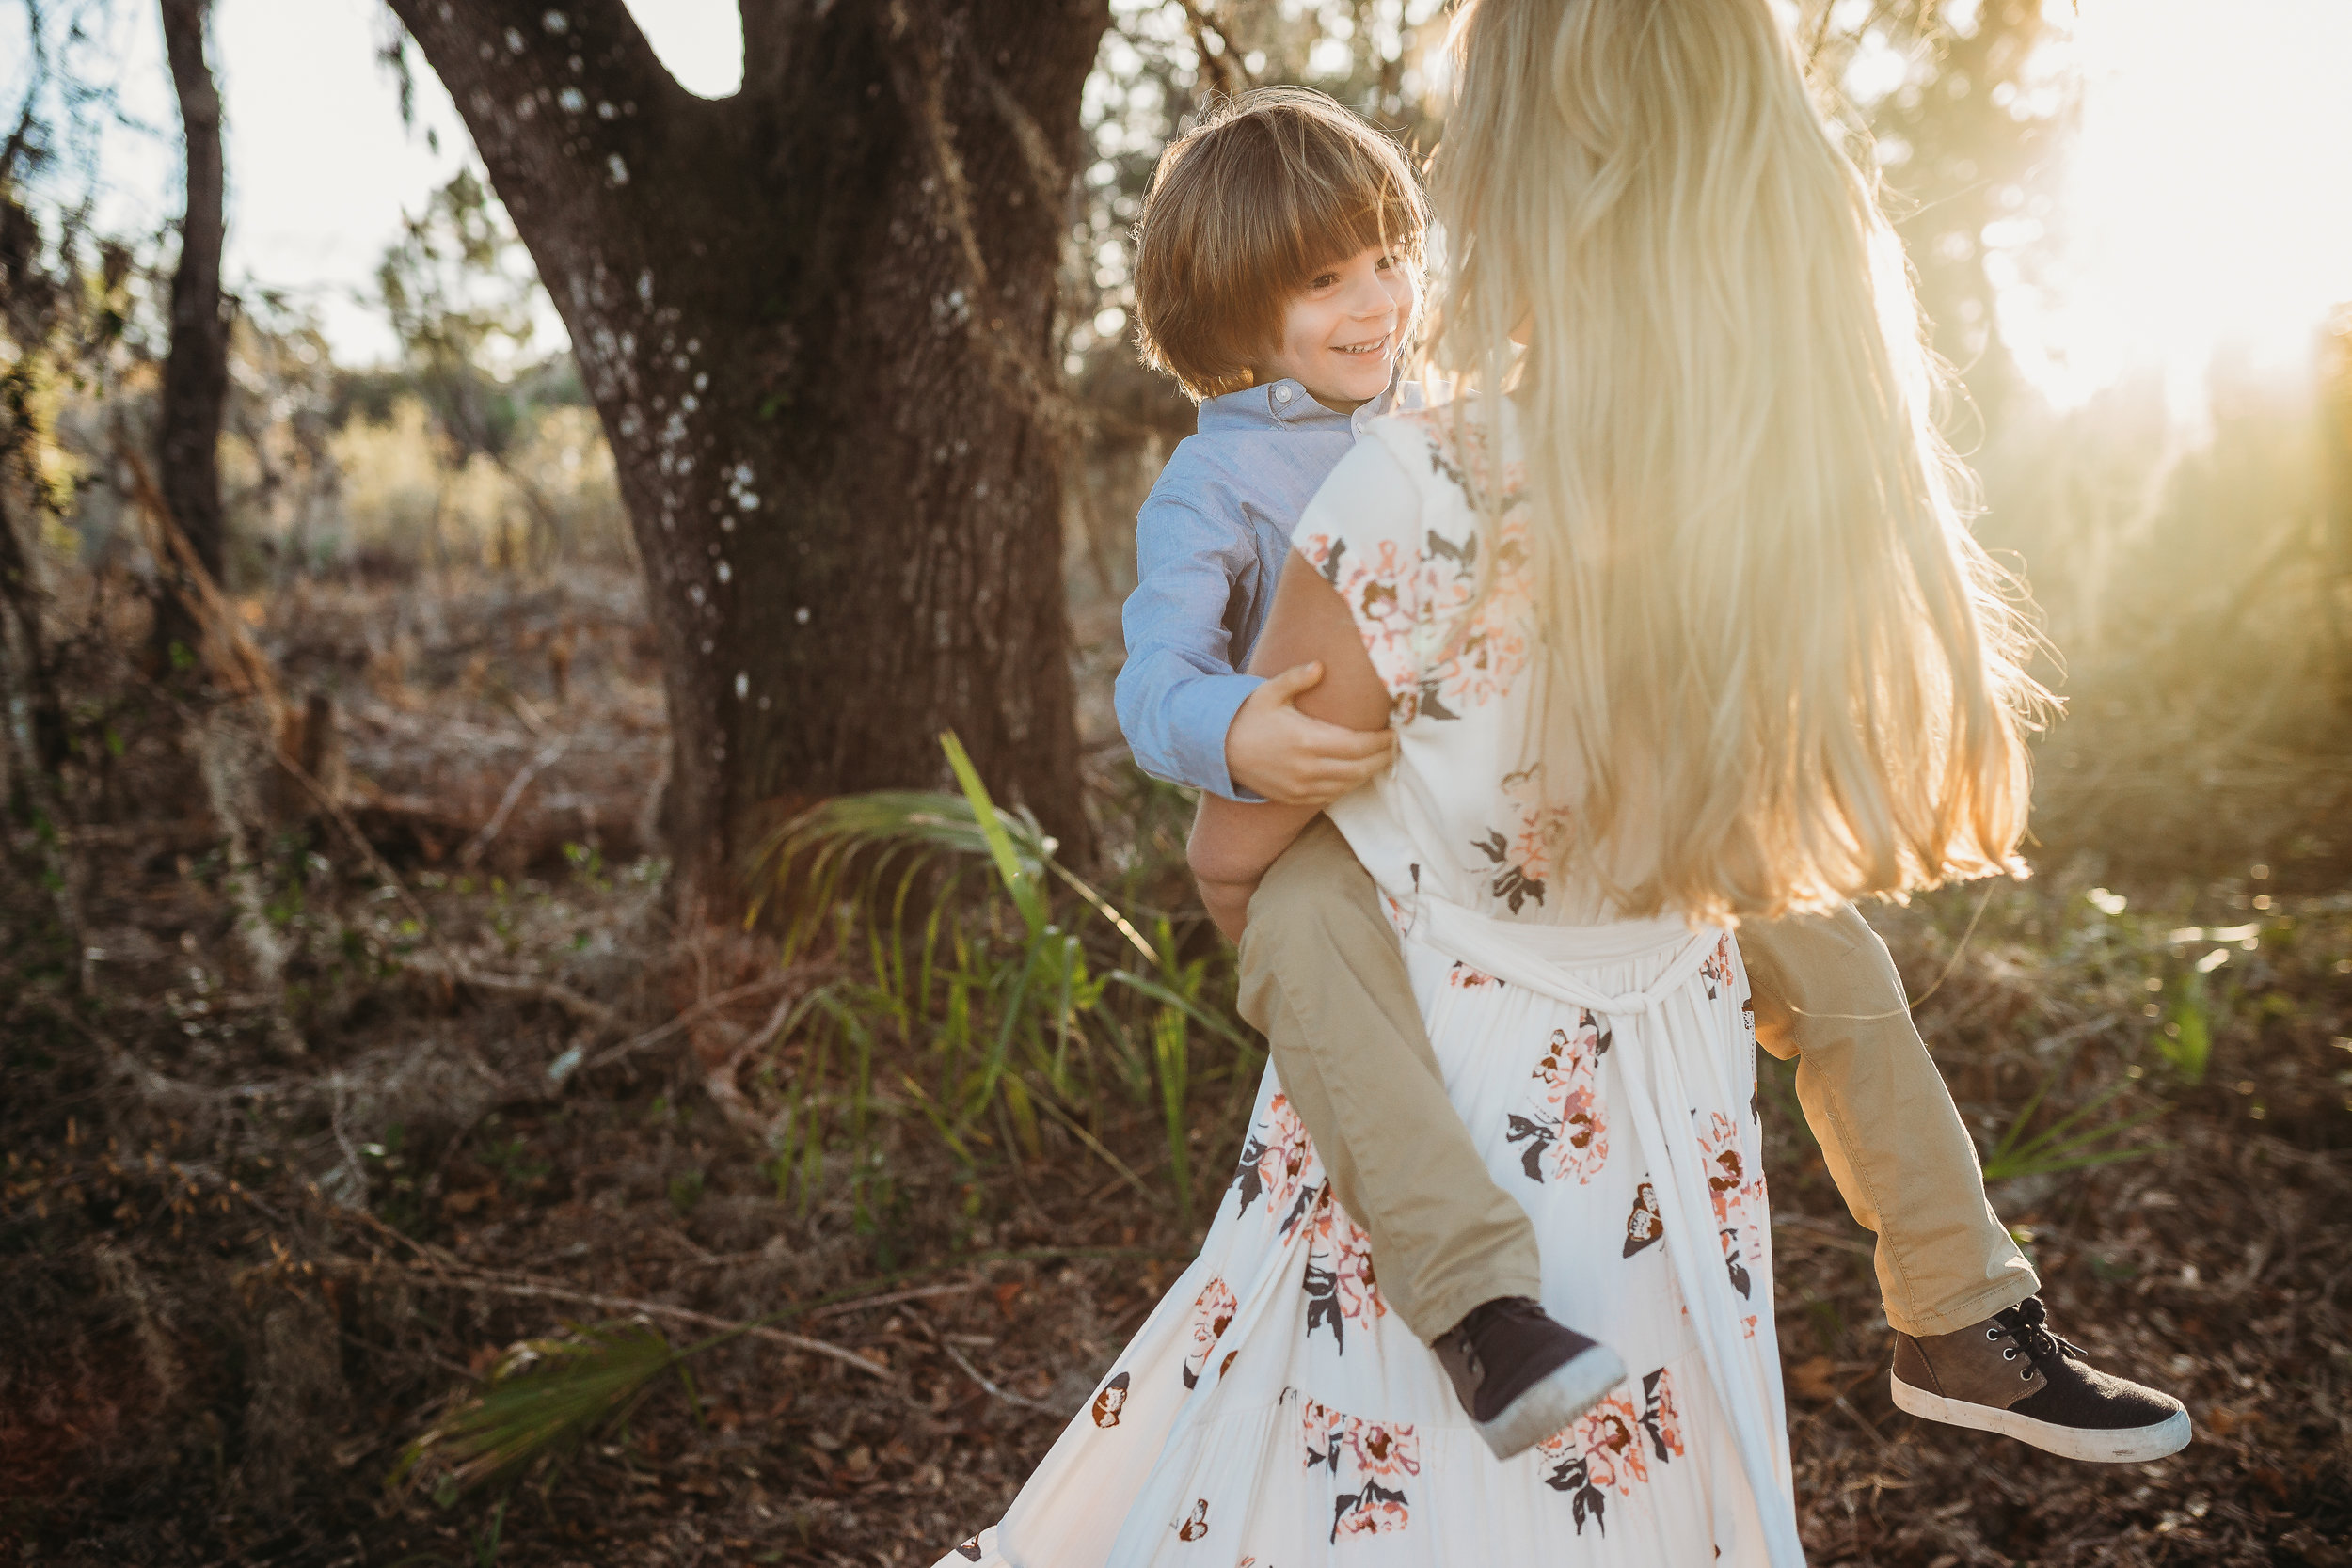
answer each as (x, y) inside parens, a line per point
(1567, 1392)
(2123, 1446)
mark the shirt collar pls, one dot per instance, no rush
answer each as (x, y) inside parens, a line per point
(1288, 403)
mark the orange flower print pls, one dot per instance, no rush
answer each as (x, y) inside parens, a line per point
(1739, 1203)
(1110, 1401)
(1369, 1463)
(1196, 1524)
(1411, 606)
(1277, 1160)
(1211, 1314)
(1609, 1451)
(1339, 1283)
(1564, 1129)
(1376, 592)
(1463, 977)
(1459, 451)
(1377, 1516)
(1716, 971)
(1520, 859)
(1388, 1453)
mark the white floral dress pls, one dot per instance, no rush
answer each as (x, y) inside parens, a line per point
(1272, 1413)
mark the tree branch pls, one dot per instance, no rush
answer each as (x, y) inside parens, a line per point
(561, 99)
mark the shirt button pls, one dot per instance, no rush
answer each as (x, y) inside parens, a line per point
(1281, 394)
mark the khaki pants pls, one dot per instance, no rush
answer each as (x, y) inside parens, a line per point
(1322, 977)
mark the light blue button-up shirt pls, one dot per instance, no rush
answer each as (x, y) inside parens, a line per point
(1210, 543)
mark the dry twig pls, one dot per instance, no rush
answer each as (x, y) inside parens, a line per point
(488, 831)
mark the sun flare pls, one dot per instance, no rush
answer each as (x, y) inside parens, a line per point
(2204, 207)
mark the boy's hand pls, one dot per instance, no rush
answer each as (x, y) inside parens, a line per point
(1294, 760)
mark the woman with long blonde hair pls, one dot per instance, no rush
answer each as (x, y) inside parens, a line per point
(1675, 619)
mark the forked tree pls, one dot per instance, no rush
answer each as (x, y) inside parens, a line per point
(817, 321)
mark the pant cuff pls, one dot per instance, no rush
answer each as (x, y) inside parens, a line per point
(1952, 1316)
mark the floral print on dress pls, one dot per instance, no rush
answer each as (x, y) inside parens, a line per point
(1382, 593)
(1610, 1448)
(1211, 1314)
(1738, 1204)
(1716, 971)
(1564, 1128)
(1111, 1400)
(1410, 606)
(1339, 1282)
(1275, 1159)
(1458, 454)
(1463, 977)
(1369, 1464)
(1645, 1226)
(1519, 860)
(1480, 660)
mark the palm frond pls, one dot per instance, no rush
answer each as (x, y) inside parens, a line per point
(542, 1399)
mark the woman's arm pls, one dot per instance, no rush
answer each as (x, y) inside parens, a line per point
(1234, 843)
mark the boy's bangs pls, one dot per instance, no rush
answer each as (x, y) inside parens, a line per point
(1327, 216)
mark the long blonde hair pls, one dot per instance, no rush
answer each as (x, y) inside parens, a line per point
(1777, 659)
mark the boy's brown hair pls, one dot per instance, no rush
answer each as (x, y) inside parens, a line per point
(1242, 211)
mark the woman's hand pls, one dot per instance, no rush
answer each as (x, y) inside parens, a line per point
(1275, 749)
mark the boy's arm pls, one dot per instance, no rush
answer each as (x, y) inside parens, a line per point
(1178, 691)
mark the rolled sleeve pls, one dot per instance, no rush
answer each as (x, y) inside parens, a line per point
(1201, 709)
(1178, 691)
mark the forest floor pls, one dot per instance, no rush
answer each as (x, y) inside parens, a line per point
(300, 1138)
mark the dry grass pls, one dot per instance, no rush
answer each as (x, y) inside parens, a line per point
(236, 1283)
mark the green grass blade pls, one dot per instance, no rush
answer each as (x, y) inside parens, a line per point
(1171, 1053)
(1021, 882)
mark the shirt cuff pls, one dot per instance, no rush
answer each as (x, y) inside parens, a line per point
(1203, 711)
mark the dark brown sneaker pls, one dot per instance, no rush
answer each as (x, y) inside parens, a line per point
(1522, 1376)
(2010, 1374)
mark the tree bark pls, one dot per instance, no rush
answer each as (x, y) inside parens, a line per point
(817, 321)
(196, 371)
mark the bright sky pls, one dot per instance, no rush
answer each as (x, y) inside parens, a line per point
(320, 167)
(2209, 200)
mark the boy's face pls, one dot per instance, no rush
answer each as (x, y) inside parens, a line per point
(1342, 332)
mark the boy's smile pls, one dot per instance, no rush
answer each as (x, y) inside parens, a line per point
(1343, 331)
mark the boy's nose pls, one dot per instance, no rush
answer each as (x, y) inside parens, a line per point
(1369, 298)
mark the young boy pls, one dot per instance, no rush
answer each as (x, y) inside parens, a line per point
(1277, 279)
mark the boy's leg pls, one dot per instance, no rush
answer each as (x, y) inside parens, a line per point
(1826, 992)
(1971, 1346)
(1322, 978)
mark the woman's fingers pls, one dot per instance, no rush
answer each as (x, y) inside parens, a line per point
(1339, 742)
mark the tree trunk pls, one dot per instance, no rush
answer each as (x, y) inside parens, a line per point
(817, 320)
(196, 372)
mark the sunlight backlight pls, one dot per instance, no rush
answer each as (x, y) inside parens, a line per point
(700, 41)
(2206, 205)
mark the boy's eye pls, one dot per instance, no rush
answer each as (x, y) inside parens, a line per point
(1324, 280)
(1385, 263)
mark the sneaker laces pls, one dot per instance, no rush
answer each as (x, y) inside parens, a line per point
(2027, 1325)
